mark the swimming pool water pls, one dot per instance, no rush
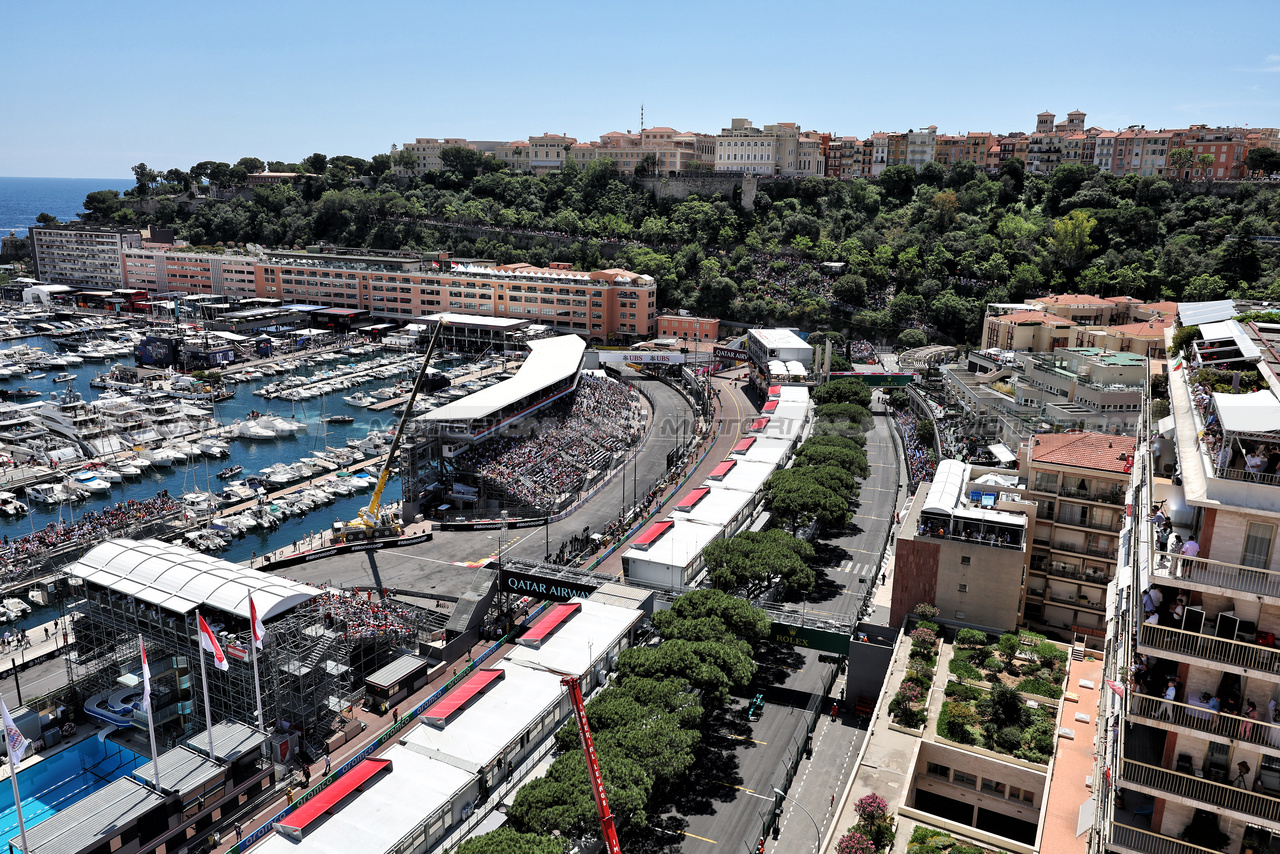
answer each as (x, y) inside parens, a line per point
(59, 781)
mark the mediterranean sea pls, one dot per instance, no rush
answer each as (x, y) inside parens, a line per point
(23, 199)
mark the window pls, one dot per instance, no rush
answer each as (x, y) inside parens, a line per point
(959, 615)
(965, 560)
(969, 781)
(1257, 544)
(937, 770)
(963, 588)
(994, 787)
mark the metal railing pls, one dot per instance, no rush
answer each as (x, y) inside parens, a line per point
(1109, 497)
(387, 735)
(1065, 519)
(1199, 789)
(1164, 639)
(1216, 573)
(1153, 843)
(1204, 720)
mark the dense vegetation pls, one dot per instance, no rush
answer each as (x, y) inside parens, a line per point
(922, 249)
(647, 725)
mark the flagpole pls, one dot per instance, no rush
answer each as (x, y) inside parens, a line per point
(208, 712)
(151, 724)
(13, 774)
(257, 687)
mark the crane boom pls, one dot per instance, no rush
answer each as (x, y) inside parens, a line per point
(369, 515)
(607, 829)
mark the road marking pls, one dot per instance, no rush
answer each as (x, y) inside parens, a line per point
(741, 738)
(696, 836)
(740, 788)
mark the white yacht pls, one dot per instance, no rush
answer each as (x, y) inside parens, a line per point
(90, 481)
(11, 506)
(69, 416)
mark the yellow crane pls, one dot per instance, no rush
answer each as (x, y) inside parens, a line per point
(374, 521)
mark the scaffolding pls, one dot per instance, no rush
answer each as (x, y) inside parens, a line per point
(311, 668)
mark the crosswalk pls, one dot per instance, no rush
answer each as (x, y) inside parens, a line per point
(865, 570)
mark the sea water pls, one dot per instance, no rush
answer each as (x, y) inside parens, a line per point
(23, 199)
(201, 474)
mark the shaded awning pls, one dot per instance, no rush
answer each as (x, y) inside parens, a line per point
(760, 424)
(775, 390)
(650, 536)
(1257, 412)
(456, 700)
(690, 500)
(549, 622)
(1002, 453)
(744, 445)
(770, 406)
(723, 468)
(331, 795)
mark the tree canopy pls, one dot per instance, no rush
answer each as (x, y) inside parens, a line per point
(753, 562)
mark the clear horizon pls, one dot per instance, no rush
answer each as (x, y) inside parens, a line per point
(281, 82)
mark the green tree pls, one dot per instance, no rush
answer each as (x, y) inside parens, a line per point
(1069, 240)
(925, 432)
(843, 390)
(145, 176)
(905, 308)
(898, 182)
(799, 500)
(713, 667)
(252, 165)
(740, 618)
(932, 174)
(406, 160)
(316, 163)
(1205, 287)
(1205, 162)
(1180, 161)
(46, 218)
(562, 799)
(756, 561)
(647, 166)
(102, 203)
(910, 338)
(851, 289)
(1263, 160)
(379, 164)
(505, 840)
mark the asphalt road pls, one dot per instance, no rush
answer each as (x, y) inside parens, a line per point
(447, 564)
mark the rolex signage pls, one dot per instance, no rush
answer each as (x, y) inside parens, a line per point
(806, 638)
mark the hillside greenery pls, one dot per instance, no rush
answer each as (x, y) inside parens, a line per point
(942, 243)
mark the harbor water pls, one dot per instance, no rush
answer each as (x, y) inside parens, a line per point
(254, 455)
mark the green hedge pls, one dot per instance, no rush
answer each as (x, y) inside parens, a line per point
(1040, 688)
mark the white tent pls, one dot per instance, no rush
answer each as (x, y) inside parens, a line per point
(1257, 412)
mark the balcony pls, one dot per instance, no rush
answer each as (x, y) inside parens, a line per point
(1113, 496)
(1163, 640)
(1075, 521)
(1064, 570)
(1148, 842)
(1108, 552)
(1179, 569)
(1204, 720)
(1197, 789)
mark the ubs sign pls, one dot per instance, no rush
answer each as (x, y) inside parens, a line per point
(555, 589)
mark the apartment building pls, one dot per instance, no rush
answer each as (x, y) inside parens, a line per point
(683, 326)
(1195, 744)
(676, 151)
(159, 271)
(921, 145)
(81, 255)
(1041, 324)
(1078, 481)
(601, 306)
(1045, 147)
(963, 546)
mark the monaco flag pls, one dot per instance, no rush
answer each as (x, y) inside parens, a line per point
(255, 625)
(146, 679)
(15, 740)
(210, 643)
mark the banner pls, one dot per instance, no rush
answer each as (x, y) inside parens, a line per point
(644, 357)
(555, 589)
(490, 524)
(729, 354)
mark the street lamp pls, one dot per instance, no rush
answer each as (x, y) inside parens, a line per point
(501, 531)
(818, 833)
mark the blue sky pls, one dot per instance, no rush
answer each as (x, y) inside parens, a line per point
(93, 88)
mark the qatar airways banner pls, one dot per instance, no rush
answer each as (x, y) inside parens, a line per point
(645, 358)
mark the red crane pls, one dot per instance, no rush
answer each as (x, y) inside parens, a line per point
(593, 766)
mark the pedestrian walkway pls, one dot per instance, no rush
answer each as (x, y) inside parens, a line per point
(43, 641)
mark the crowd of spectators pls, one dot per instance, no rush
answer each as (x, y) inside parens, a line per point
(921, 463)
(561, 451)
(92, 527)
(861, 351)
(1252, 458)
(360, 615)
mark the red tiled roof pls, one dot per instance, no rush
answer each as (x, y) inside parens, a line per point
(1098, 451)
(1153, 328)
(1035, 317)
(1162, 307)
(1072, 299)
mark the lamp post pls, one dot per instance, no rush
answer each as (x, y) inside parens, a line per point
(501, 531)
(817, 832)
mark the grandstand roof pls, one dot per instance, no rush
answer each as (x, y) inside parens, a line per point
(717, 507)
(745, 475)
(581, 640)
(180, 579)
(550, 361)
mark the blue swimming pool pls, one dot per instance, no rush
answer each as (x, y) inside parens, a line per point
(59, 781)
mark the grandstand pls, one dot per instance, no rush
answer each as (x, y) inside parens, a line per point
(528, 444)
